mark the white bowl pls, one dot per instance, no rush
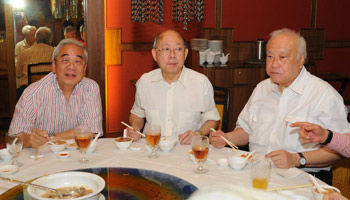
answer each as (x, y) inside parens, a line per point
(237, 162)
(4, 154)
(167, 144)
(123, 143)
(319, 196)
(91, 147)
(223, 60)
(58, 145)
(69, 179)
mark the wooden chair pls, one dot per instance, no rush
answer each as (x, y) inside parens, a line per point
(38, 70)
(222, 101)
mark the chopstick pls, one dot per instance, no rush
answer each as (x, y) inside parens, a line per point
(233, 146)
(290, 187)
(127, 125)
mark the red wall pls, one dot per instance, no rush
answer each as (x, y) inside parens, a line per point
(250, 20)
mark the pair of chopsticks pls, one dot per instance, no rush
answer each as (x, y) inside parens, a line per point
(127, 125)
(233, 146)
(290, 187)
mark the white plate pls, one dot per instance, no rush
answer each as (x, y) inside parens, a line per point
(288, 173)
(8, 169)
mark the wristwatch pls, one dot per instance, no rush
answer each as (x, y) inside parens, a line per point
(302, 160)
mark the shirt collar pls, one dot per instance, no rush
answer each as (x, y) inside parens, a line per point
(298, 84)
(182, 79)
(57, 87)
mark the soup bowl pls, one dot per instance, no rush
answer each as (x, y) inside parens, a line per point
(237, 162)
(319, 196)
(123, 143)
(57, 145)
(87, 180)
(167, 144)
(5, 155)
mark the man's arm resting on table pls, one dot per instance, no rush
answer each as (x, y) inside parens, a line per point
(322, 157)
(238, 137)
(205, 129)
(66, 135)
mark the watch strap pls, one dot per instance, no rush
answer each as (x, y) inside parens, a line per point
(329, 137)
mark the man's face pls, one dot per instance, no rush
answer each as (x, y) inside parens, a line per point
(30, 38)
(282, 64)
(69, 66)
(170, 53)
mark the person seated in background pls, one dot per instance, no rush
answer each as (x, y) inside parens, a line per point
(178, 99)
(28, 32)
(69, 32)
(290, 94)
(61, 101)
(39, 52)
(82, 38)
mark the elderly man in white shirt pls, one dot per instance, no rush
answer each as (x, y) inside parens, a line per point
(291, 94)
(178, 99)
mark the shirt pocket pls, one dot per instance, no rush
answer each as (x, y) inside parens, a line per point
(152, 116)
(188, 121)
(260, 127)
(291, 140)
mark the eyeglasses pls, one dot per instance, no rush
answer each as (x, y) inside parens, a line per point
(166, 51)
(76, 62)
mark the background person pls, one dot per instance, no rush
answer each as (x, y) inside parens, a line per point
(28, 32)
(179, 99)
(70, 32)
(61, 101)
(290, 94)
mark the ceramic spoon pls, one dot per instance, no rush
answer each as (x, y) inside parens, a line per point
(318, 187)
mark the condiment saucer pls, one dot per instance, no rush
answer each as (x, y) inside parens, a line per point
(8, 169)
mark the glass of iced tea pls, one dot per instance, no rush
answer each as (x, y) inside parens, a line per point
(153, 138)
(260, 173)
(200, 148)
(83, 137)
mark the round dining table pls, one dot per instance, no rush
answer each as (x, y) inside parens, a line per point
(176, 163)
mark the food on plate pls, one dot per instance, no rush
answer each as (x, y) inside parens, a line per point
(123, 139)
(68, 192)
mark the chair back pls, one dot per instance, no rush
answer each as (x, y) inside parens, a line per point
(222, 101)
(38, 70)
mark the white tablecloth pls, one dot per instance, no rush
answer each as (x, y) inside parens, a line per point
(176, 163)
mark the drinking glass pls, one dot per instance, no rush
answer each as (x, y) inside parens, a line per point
(14, 145)
(153, 137)
(83, 138)
(260, 173)
(200, 148)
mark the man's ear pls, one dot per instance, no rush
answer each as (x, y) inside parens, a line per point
(186, 53)
(302, 61)
(154, 54)
(53, 66)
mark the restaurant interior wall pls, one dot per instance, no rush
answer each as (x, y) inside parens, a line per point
(250, 20)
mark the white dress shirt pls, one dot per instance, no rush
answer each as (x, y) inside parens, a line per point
(268, 114)
(181, 106)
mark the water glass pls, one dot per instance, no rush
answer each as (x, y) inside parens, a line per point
(153, 138)
(200, 148)
(83, 138)
(260, 173)
(14, 145)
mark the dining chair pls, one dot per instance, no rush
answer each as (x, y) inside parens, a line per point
(222, 101)
(38, 70)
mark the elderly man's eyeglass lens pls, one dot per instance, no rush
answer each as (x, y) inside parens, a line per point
(166, 51)
(76, 62)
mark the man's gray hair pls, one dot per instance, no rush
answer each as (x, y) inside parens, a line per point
(301, 44)
(67, 42)
(43, 35)
(69, 29)
(156, 39)
(27, 28)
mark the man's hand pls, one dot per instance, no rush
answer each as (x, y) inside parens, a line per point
(133, 133)
(38, 138)
(283, 159)
(216, 140)
(334, 196)
(310, 133)
(186, 138)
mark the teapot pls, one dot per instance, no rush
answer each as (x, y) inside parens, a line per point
(202, 56)
(211, 56)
